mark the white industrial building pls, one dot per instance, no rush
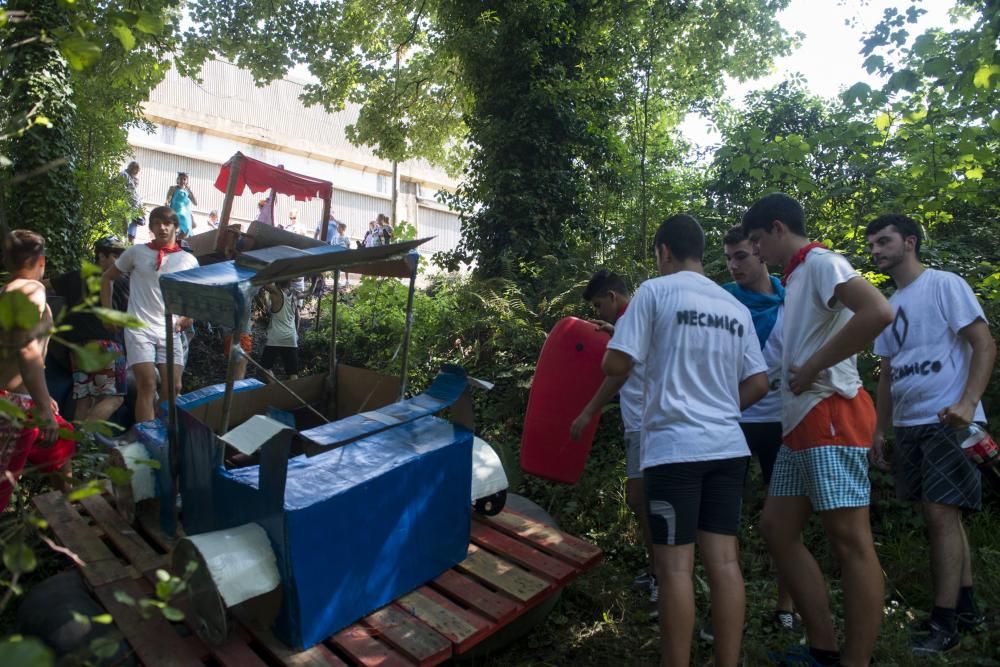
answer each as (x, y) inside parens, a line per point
(198, 126)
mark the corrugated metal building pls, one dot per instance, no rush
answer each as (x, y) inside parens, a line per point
(198, 126)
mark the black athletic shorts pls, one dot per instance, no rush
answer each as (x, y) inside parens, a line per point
(684, 498)
(289, 358)
(764, 440)
(929, 465)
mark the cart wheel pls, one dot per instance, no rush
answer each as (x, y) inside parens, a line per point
(491, 505)
(207, 607)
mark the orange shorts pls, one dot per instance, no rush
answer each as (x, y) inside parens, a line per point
(246, 342)
(848, 422)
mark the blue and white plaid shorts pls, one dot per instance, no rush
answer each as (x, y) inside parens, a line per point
(832, 476)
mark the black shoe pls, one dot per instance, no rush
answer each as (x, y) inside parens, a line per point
(970, 622)
(935, 640)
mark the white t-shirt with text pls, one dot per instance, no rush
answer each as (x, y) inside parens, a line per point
(145, 298)
(930, 362)
(813, 316)
(696, 343)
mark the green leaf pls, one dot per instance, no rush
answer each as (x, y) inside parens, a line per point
(30, 652)
(103, 619)
(975, 174)
(18, 312)
(859, 92)
(118, 476)
(79, 52)
(171, 614)
(164, 590)
(117, 318)
(11, 411)
(983, 74)
(152, 463)
(124, 35)
(883, 121)
(19, 558)
(91, 357)
(162, 575)
(91, 488)
(149, 23)
(124, 598)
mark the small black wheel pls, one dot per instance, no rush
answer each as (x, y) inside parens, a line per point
(491, 505)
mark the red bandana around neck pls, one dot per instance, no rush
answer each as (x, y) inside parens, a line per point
(799, 258)
(161, 252)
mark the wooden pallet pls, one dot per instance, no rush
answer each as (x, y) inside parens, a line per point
(513, 565)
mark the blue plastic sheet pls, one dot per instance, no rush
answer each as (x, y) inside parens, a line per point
(217, 293)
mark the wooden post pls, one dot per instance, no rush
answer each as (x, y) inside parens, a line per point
(235, 164)
(327, 205)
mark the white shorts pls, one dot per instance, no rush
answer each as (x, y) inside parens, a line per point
(149, 346)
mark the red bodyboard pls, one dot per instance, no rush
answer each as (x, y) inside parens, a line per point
(566, 378)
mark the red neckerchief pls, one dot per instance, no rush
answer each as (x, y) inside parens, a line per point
(165, 250)
(799, 258)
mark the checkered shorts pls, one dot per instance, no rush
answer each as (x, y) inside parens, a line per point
(832, 476)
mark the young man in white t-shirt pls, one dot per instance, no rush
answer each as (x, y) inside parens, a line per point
(610, 296)
(935, 362)
(701, 365)
(764, 296)
(831, 314)
(146, 348)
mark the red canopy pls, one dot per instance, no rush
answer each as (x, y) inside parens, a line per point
(260, 177)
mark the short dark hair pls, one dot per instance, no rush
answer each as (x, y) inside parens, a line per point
(905, 225)
(23, 247)
(735, 236)
(109, 245)
(164, 214)
(605, 281)
(775, 206)
(683, 235)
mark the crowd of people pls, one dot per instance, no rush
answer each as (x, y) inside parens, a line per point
(129, 283)
(180, 199)
(709, 375)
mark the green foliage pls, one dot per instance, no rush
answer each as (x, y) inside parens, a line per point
(72, 78)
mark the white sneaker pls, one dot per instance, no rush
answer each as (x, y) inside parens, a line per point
(654, 599)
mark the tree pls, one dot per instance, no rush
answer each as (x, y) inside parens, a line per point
(67, 102)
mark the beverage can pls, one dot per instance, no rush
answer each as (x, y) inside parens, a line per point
(979, 446)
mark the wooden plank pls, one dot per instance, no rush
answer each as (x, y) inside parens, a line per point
(100, 564)
(503, 575)
(522, 554)
(234, 652)
(123, 536)
(358, 643)
(460, 626)
(554, 542)
(147, 516)
(475, 596)
(409, 636)
(153, 639)
(317, 656)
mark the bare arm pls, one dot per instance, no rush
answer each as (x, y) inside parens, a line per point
(170, 194)
(616, 364)
(872, 313)
(107, 285)
(604, 393)
(31, 365)
(984, 354)
(752, 389)
(194, 200)
(883, 414)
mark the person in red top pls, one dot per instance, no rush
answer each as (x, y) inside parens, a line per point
(831, 314)
(146, 348)
(33, 438)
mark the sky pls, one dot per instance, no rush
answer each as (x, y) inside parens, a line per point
(829, 53)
